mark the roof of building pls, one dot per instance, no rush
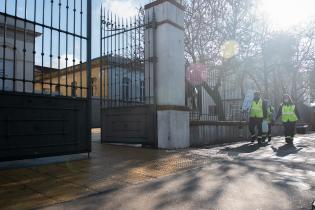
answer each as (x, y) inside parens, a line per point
(18, 24)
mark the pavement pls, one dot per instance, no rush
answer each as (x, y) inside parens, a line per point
(232, 176)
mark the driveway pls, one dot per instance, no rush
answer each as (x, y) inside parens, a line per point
(237, 176)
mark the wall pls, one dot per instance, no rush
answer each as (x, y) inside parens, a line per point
(209, 133)
(23, 61)
(66, 78)
(112, 81)
(305, 113)
(277, 129)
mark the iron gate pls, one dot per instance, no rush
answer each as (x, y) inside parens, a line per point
(45, 67)
(127, 79)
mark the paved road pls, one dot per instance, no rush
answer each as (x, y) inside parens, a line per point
(238, 176)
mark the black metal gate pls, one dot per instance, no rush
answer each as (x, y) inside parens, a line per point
(127, 79)
(45, 73)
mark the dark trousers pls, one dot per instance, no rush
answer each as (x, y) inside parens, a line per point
(269, 130)
(253, 124)
(289, 129)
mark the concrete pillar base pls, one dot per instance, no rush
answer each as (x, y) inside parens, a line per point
(173, 129)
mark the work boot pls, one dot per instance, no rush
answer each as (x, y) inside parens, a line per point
(269, 138)
(289, 140)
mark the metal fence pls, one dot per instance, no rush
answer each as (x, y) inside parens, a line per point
(128, 111)
(212, 96)
(44, 47)
(45, 53)
(126, 60)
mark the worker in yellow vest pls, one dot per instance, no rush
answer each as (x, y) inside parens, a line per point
(257, 113)
(289, 116)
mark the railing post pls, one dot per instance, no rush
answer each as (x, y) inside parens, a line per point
(154, 26)
(88, 67)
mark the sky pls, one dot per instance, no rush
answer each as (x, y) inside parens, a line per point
(282, 14)
(122, 8)
(285, 14)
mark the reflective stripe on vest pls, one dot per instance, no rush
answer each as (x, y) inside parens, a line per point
(256, 110)
(288, 113)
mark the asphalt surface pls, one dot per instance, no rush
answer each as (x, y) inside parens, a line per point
(237, 176)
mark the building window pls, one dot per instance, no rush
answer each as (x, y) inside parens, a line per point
(7, 74)
(73, 89)
(93, 86)
(142, 93)
(46, 90)
(57, 90)
(125, 88)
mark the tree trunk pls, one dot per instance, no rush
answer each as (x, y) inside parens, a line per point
(216, 97)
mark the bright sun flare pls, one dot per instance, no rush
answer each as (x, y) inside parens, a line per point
(284, 14)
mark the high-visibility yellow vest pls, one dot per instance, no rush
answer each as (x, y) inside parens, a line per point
(288, 113)
(256, 109)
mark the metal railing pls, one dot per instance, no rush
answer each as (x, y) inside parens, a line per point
(211, 96)
(126, 62)
(44, 47)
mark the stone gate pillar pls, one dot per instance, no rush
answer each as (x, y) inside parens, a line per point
(165, 40)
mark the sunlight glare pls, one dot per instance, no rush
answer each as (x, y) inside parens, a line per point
(284, 14)
(230, 49)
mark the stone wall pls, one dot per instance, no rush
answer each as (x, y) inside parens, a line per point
(210, 133)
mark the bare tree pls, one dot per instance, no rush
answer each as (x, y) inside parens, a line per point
(208, 25)
(273, 62)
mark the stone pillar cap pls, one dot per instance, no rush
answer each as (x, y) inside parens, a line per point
(157, 2)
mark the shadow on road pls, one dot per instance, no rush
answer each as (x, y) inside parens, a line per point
(245, 148)
(211, 186)
(285, 150)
